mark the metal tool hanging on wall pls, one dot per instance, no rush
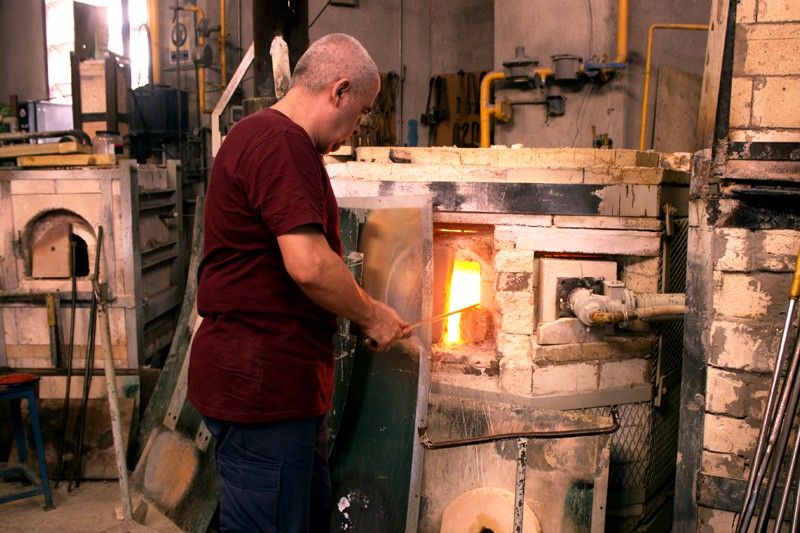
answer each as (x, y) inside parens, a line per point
(436, 109)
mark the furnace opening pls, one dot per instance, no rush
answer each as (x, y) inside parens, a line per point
(464, 290)
(464, 275)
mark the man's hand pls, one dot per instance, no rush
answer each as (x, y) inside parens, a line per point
(384, 326)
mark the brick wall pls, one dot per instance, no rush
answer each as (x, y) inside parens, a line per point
(740, 270)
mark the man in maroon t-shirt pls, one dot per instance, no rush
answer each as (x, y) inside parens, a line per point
(270, 286)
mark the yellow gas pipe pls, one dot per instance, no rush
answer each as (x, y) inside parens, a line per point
(646, 90)
(154, 21)
(201, 71)
(223, 37)
(622, 31)
(485, 101)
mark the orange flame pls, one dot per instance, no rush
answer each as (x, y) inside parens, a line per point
(465, 290)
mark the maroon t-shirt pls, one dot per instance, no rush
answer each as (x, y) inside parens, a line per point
(264, 351)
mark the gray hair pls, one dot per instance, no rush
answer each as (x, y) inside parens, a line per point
(333, 57)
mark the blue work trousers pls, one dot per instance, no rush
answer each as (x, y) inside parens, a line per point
(273, 477)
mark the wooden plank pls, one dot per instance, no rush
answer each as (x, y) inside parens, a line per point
(68, 160)
(710, 89)
(675, 119)
(67, 147)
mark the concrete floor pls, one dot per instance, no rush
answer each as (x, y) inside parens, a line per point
(89, 508)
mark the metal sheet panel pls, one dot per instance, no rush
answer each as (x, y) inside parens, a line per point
(376, 464)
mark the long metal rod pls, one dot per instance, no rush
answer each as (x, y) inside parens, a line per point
(70, 349)
(428, 444)
(769, 412)
(441, 316)
(519, 492)
(780, 449)
(796, 515)
(759, 468)
(88, 369)
(786, 392)
(787, 487)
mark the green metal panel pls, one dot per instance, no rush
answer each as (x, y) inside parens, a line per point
(376, 462)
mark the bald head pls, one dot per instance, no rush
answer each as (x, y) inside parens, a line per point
(331, 58)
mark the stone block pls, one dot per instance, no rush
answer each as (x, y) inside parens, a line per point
(516, 310)
(767, 49)
(598, 222)
(629, 200)
(679, 161)
(593, 241)
(77, 186)
(741, 101)
(20, 187)
(512, 346)
(651, 175)
(743, 250)
(775, 103)
(9, 319)
(515, 281)
(624, 374)
(778, 250)
(641, 274)
(515, 376)
(724, 465)
(612, 347)
(744, 345)
(568, 331)
(731, 250)
(755, 295)
(564, 379)
(715, 520)
(777, 10)
(513, 260)
(746, 12)
(544, 175)
(726, 393)
(545, 157)
(729, 435)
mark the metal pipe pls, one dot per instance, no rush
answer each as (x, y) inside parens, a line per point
(223, 46)
(428, 444)
(154, 22)
(52, 304)
(648, 55)
(776, 425)
(753, 483)
(622, 31)
(485, 101)
(88, 367)
(65, 417)
(201, 70)
(780, 449)
(615, 317)
(79, 135)
(770, 408)
(519, 486)
(788, 485)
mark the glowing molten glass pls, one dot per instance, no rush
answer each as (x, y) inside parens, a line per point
(465, 290)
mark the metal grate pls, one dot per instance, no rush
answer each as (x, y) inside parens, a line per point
(629, 446)
(672, 333)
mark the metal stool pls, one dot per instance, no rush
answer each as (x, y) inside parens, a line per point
(15, 387)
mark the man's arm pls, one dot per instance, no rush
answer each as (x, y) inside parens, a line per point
(322, 276)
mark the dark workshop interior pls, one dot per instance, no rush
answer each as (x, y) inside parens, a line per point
(602, 197)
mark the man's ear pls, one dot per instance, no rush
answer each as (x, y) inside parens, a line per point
(340, 88)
